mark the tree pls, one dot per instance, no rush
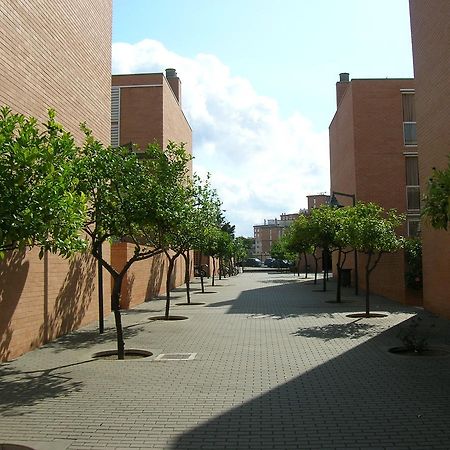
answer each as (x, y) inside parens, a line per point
(342, 243)
(242, 248)
(323, 227)
(281, 249)
(371, 231)
(437, 198)
(300, 242)
(128, 202)
(39, 202)
(218, 247)
(413, 262)
(197, 206)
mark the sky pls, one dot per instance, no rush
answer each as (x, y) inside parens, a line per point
(258, 84)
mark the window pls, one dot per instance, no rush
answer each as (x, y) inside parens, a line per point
(409, 133)
(413, 227)
(115, 116)
(412, 184)
(409, 119)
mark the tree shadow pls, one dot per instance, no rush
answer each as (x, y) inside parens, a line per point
(13, 275)
(20, 389)
(72, 301)
(155, 276)
(352, 330)
(290, 300)
(88, 338)
(127, 290)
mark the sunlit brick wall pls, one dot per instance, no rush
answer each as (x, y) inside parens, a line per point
(431, 51)
(57, 54)
(53, 54)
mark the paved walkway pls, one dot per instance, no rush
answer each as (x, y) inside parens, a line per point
(277, 367)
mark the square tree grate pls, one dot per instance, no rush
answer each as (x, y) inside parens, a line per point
(176, 357)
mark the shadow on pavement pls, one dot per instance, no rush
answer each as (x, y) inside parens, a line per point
(20, 389)
(88, 338)
(352, 330)
(282, 298)
(363, 398)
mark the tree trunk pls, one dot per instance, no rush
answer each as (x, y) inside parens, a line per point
(115, 306)
(316, 269)
(339, 277)
(187, 276)
(168, 278)
(368, 272)
(214, 272)
(202, 283)
(325, 270)
(367, 293)
(368, 285)
(306, 264)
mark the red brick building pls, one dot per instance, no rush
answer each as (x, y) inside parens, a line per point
(316, 200)
(53, 54)
(431, 52)
(373, 155)
(146, 108)
(269, 232)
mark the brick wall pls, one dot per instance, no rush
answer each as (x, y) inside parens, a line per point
(141, 109)
(57, 54)
(430, 37)
(176, 128)
(53, 54)
(43, 299)
(366, 159)
(145, 279)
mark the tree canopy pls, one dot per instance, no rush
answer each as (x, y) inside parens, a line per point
(437, 198)
(40, 204)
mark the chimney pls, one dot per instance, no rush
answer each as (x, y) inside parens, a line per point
(175, 83)
(341, 86)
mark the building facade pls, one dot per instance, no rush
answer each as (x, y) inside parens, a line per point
(317, 200)
(269, 232)
(146, 108)
(57, 54)
(373, 156)
(53, 54)
(431, 53)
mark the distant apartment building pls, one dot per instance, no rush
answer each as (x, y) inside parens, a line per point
(373, 156)
(271, 230)
(146, 108)
(316, 200)
(53, 54)
(431, 53)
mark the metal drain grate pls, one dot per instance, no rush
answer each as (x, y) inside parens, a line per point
(176, 357)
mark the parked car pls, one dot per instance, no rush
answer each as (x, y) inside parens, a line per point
(280, 264)
(268, 262)
(251, 262)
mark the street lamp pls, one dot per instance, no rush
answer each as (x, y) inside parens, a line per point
(334, 202)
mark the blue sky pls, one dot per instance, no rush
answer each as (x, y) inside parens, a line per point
(259, 84)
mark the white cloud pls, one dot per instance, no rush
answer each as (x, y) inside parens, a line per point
(261, 163)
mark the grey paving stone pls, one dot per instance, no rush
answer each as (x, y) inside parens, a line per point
(277, 367)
